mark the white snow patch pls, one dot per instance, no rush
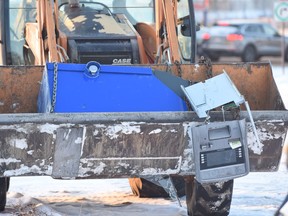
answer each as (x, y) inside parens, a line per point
(157, 171)
(24, 170)
(172, 131)
(78, 140)
(263, 134)
(30, 152)
(48, 128)
(8, 160)
(18, 128)
(100, 168)
(196, 67)
(156, 131)
(253, 145)
(89, 164)
(125, 165)
(188, 161)
(42, 163)
(95, 133)
(18, 143)
(126, 128)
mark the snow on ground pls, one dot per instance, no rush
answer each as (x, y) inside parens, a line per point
(83, 197)
(255, 194)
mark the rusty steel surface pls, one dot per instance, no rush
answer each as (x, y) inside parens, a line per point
(19, 87)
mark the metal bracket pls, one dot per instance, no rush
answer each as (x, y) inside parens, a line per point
(67, 152)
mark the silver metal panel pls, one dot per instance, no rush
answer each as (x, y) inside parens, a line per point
(224, 154)
(212, 93)
(67, 152)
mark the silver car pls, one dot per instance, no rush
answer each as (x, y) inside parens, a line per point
(250, 41)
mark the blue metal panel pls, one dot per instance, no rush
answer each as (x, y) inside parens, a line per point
(113, 89)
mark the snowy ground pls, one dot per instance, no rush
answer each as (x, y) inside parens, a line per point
(256, 194)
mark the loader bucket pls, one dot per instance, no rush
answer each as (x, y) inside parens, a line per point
(132, 143)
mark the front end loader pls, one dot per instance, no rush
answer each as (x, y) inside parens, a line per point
(111, 89)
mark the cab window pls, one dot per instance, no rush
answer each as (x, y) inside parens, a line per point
(184, 41)
(19, 13)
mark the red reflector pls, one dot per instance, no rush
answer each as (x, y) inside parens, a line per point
(206, 36)
(234, 37)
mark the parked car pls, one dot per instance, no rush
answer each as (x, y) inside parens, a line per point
(250, 41)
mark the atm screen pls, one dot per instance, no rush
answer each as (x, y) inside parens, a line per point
(216, 158)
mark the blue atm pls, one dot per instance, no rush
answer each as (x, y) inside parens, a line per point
(93, 87)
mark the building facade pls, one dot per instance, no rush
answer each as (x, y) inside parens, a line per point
(209, 11)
